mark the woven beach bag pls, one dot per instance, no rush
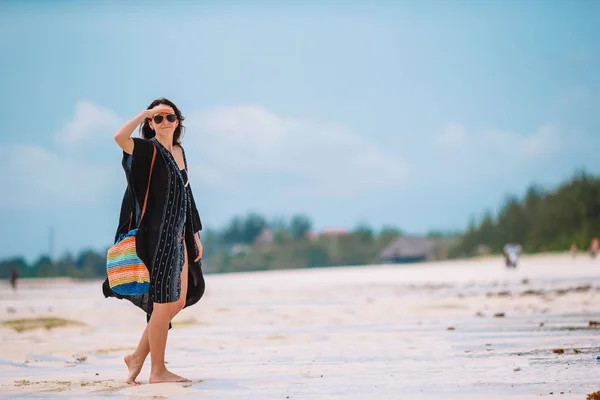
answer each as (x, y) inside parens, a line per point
(127, 273)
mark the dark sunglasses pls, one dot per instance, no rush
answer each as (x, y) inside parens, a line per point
(159, 118)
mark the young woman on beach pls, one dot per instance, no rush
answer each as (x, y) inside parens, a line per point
(168, 240)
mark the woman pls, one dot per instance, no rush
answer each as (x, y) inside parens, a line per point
(168, 240)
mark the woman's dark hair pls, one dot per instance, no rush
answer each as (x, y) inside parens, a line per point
(148, 133)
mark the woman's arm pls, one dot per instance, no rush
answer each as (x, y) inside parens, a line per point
(123, 135)
(196, 224)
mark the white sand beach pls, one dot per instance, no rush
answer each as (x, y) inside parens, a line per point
(449, 330)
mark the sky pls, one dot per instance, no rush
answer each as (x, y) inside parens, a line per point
(417, 115)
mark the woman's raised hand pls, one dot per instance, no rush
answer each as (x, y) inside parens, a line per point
(159, 109)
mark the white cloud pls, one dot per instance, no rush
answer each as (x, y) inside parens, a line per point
(44, 178)
(540, 143)
(240, 148)
(232, 149)
(88, 120)
(241, 145)
(494, 142)
(40, 178)
(476, 158)
(452, 136)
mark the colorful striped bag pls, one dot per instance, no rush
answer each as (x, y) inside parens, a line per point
(127, 273)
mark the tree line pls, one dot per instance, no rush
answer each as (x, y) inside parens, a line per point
(233, 248)
(540, 221)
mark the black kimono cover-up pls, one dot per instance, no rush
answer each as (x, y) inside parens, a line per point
(171, 219)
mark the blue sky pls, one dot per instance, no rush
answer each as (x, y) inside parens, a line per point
(418, 115)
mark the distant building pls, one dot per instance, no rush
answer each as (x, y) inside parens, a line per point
(483, 250)
(409, 249)
(266, 238)
(329, 232)
(239, 249)
(334, 232)
(312, 235)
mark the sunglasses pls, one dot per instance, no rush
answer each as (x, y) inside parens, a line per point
(159, 118)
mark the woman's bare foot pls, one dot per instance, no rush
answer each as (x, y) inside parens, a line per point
(166, 376)
(134, 364)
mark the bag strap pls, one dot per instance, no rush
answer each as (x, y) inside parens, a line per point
(149, 179)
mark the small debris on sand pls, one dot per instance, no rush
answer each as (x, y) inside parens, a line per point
(114, 350)
(27, 324)
(185, 323)
(532, 292)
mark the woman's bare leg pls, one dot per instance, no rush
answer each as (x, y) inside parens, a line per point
(159, 329)
(135, 361)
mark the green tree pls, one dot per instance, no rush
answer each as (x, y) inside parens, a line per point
(253, 226)
(364, 232)
(542, 220)
(317, 256)
(299, 226)
(234, 231)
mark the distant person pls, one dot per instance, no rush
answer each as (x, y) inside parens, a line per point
(573, 250)
(168, 240)
(13, 278)
(594, 246)
(511, 252)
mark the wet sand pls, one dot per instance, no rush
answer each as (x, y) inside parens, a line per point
(457, 330)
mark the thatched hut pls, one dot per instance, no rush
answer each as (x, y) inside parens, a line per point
(408, 249)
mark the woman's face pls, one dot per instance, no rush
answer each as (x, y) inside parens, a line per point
(165, 122)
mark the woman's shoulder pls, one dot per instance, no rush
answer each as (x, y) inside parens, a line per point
(142, 145)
